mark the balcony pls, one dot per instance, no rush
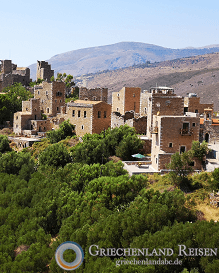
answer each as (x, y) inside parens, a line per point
(186, 132)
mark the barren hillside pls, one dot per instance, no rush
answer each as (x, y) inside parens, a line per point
(199, 74)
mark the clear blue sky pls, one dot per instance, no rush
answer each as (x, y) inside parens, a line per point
(37, 30)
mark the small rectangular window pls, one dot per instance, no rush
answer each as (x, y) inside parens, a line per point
(99, 114)
(182, 149)
(73, 113)
(79, 113)
(85, 114)
(57, 108)
(82, 127)
(170, 145)
(104, 114)
(193, 124)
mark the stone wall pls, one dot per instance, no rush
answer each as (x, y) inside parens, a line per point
(132, 99)
(170, 132)
(163, 105)
(169, 137)
(144, 103)
(30, 111)
(139, 123)
(80, 115)
(127, 99)
(147, 146)
(6, 66)
(209, 133)
(94, 94)
(193, 104)
(39, 125)
(101, 117)
(118, 101)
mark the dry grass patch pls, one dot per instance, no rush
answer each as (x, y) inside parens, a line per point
(210, 213)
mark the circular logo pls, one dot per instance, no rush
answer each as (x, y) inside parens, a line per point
(79, 255)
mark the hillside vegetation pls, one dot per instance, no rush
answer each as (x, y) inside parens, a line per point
(49, 195)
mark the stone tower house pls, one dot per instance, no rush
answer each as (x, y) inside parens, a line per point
(44, 71)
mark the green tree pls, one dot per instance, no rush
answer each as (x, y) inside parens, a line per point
(17, 163)
(65, 129)
(129, 145)
(95, 148)
(68, 79)
(199, 150)
(11, 102)
(181, 166)
(55, 155)
(4, 144)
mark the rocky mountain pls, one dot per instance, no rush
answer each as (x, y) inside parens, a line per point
(115, 56)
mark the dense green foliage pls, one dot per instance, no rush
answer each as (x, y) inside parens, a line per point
(11, 102)
(17, 163)
(65, 129)
(55, 155)
(4, 144)
(96, 204)
(122, 142)
(57, 200)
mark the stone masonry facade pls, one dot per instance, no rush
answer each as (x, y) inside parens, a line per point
(51, 96)
(88, 117)
(93, 94)
(171, 134)
(127, 99)
(192, 104)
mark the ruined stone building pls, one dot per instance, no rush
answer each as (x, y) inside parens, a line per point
(10, 74)
(44, 71)
(93, 94)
